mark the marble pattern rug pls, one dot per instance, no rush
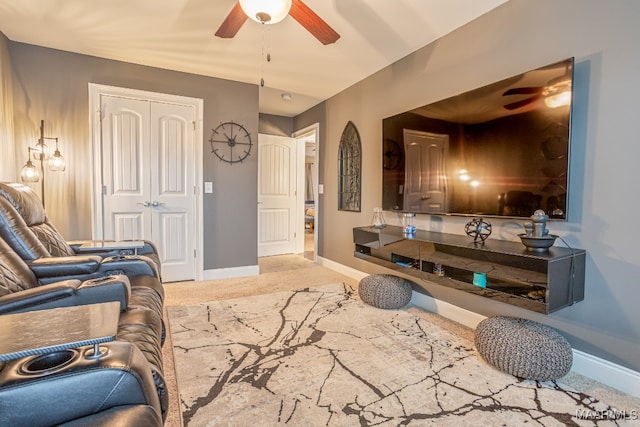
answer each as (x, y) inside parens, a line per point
(321, 357)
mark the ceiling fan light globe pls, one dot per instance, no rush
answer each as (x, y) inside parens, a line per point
(560, 99)
(266, 11)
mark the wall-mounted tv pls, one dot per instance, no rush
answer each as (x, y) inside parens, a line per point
(499, 151)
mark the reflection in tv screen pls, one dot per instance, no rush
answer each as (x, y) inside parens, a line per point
(499, 151)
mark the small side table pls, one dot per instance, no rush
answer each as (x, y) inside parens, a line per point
(57, 329)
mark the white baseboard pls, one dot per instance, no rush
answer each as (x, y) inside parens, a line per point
(601, 370)
(609, 373)
(341, 268)
(450, 311)
(232, 272)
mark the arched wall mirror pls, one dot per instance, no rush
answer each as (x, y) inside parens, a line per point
(349, 169)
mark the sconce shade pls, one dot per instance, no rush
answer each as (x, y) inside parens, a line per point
(57, 163)
(266, 11)
(40, 151)
(29, 173)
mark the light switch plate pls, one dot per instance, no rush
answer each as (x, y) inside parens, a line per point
(320, 188)
(208, 187)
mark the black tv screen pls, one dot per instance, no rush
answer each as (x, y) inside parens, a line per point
(501, 150)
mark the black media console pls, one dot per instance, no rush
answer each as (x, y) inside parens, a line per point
(501, 270)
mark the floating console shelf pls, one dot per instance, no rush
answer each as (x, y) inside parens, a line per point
(539, 281)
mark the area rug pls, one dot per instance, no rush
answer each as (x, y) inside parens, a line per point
(321, 357)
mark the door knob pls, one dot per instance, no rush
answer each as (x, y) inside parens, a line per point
(145, 204)
(155, 204)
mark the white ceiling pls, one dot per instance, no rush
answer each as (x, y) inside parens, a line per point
(179, 35)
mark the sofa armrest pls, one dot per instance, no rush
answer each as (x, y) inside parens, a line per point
(82, 387)
(130, 265)
(65, 266)
(85, 267)
(68, 293)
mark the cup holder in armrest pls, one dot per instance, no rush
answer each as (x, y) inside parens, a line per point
(49, 362)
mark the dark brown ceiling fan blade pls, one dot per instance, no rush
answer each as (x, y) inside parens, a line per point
(524, 102)
(523, 91)
(232, 23)
(312, 22)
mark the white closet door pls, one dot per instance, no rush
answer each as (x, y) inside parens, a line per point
(172, 206)
(148, 177)
(125, 156)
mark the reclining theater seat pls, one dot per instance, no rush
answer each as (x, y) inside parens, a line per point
(138, 324)
(116, 389)
(35, 236)
(18, 202)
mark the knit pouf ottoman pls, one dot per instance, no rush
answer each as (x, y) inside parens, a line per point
(523, 348)
(385, 291)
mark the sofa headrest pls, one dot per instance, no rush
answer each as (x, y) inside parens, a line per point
(25, 201)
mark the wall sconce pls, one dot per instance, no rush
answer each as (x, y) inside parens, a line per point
(39, 152)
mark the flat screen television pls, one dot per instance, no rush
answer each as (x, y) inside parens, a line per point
(501, 150)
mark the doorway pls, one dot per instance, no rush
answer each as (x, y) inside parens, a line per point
(307, 139)
(147, 167)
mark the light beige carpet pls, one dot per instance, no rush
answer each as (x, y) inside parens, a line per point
(319, 356)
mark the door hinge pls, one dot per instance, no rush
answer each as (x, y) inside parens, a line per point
(194, 254)
(104, 190)
(194, 125)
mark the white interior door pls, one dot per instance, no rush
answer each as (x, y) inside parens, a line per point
(425, 186)
(126, 180)
(172, 189)
(277, 196)
(148, 178)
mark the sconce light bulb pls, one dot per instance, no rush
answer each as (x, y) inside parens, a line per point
(57, 163)
(29, 173)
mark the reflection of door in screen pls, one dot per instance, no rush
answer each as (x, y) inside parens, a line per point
(425, 185)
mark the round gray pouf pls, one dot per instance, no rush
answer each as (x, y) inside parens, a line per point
(385, 291)
(523, 348)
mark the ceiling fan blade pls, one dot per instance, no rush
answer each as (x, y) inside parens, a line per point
(524, 102)
(523, 91)
(232, 23)
(313, 23)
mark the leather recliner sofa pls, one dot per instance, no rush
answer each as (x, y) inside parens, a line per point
(116, 389)
(140, 322)
(30, 242)
(26, 227)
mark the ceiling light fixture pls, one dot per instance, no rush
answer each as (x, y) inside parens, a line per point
(560, 99)
(266, 11)
(286, 96)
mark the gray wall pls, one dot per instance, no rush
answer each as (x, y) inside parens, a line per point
(271, 124)
(53, 85)
(604, 205)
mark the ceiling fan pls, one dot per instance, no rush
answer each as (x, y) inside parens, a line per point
(271, 12)
(556, 93)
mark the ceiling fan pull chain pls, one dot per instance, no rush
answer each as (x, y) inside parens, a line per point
(262, 61)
